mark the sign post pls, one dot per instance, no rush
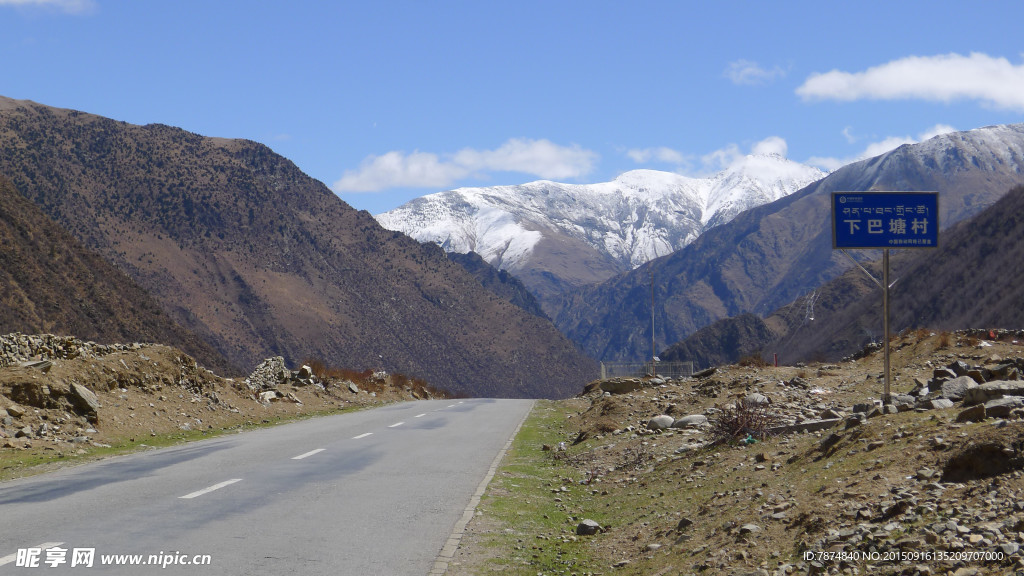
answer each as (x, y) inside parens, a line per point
(884, 220)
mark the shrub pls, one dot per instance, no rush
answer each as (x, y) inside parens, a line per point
(745, 419)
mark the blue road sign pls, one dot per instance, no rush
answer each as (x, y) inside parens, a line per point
(885, 219)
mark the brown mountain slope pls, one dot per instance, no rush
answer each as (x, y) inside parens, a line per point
(773, 254)
(259, 259)
(50, 283)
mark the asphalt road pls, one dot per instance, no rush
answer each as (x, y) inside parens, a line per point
(371, 492)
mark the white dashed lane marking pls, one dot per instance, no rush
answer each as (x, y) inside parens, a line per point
(397, 424)
(362, 436)
(308, 454)
(207, 490)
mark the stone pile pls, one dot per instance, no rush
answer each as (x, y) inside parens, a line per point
(272, 373)
(17, 348)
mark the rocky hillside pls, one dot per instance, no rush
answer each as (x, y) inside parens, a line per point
(49, 282)
(811, 476)
(258, 259)
(499, 282)
(62, 397)
(556, 237)
(772, 255)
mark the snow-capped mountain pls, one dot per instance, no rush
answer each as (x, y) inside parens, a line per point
(573, 234)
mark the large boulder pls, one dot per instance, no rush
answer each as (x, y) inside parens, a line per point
(691, 421)
(660, 422)
(956, 388)
(619, 386)
(85, 401)
(992, 390)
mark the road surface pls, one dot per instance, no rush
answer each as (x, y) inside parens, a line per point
(371, 492)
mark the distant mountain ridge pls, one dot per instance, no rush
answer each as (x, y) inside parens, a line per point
(258, 259)
(973, 280)
(774, 254)
(557, 236)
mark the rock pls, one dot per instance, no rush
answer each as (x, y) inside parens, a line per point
(16, 411)
(956, 388)
(756, 399)
(304, 373)
(353, 388)
(268, 396)
(975, 413)
(705, 372)
(587, 528)
(863, 407)
(959, 367)
(807, 426)
(660, 422)
(943, 374)
(750, 529)
(977, 375)
(1001, 407)
(25, 432)
(83, 399)
(1009, 548)
(684, 523)
(935, 404)
(994, 389)
(799, 383)
(692, 421)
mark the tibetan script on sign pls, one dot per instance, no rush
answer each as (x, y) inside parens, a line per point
(885, 219)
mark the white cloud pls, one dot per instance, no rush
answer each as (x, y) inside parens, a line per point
(730, 154)
(771, 145)
(658, 154)
(748, 72)
(67, 6)
(944, 78)
(540, 158)
(877, 148)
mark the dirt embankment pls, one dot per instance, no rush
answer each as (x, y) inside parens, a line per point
(61, 397)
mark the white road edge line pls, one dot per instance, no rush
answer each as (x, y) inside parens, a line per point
(447, 553)
(396, 425)
(308, 454)
(12, 557)
(362, 436)
(207, 490)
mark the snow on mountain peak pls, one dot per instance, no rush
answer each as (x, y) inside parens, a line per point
(640, 215)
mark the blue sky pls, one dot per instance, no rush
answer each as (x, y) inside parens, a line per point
(385, 101)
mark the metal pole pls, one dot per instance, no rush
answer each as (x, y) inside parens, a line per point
(886, 397)
(654, 347)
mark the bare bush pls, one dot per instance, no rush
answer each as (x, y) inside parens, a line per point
(745, 420)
